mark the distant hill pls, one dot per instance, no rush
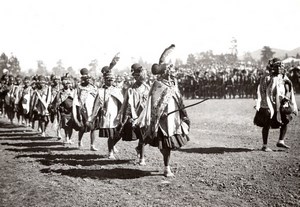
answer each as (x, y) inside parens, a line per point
(278, 53)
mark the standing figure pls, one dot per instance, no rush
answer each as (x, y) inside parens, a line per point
(40, 101)
(106, 109)
(63, 101)
(3, 92)
(164, 119)
(135, 100)
(275, 104)
(84, 96)
(17, 94)
(10, 98)
(25, 97)
(54, 114)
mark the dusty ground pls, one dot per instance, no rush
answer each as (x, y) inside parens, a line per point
(221, 166)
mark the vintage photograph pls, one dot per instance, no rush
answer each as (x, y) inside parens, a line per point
(143, 103)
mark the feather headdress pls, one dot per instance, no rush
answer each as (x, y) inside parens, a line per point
(113, 62)
(162, 66)
(166, 52)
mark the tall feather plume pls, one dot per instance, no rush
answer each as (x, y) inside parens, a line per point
(114, 61)
(166, 52)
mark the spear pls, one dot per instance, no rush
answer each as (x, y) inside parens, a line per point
(187, 106)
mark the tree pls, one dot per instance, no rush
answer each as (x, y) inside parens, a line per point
(266, 54)
(59, 69)
(248, 58)
(41, 70)
(286, 56)
(178, 62)
(191, 60)
(145, 64)
(297, 56)
(71, 71)
(13, 65)
(3, 63)
(93, 68)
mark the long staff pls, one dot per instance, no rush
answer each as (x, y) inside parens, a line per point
(187, 106)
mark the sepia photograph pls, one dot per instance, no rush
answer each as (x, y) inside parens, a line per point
(145, 103)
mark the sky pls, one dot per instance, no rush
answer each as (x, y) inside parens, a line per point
(79, 31)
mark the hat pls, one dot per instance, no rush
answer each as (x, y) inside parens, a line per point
(273, 65)
(136, 68)
(105, 69)
(42, 79)
(18, 77)
(108, 76)
(157, 69)
(26, 78)
(55, 77)
(84, 72)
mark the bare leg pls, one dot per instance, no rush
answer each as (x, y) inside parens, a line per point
(280, 143)
(42, 124)
(92, 135)
(166, 155)
(283, 130)
(140, 149)
(265, 135)
(80, 135)
(68, 134)
(110, 144)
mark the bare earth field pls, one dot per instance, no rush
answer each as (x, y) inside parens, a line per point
(222, 165)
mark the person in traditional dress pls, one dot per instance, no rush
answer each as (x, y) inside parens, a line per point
(34, 85)
(10, 99)
(54, 114)
(40, 102)
(135, 100)
(3, 92)
(25, 97)
(106, 109)
(164, 118)
(275, 104)
(63, 101)
(84, 96)
(17, 95)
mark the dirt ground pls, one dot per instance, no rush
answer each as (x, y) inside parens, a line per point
(222, 165)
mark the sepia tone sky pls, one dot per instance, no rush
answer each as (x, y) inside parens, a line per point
(78, 31)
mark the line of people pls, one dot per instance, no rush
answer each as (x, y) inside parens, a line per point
(141, 112)
(152, 114)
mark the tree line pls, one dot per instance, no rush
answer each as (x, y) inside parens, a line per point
(198, 61)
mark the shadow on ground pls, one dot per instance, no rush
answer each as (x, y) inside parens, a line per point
(32, 144)
(10, 126)
(47, 162)
(74, 159)
(215, 150)
(102, 174)
(62, 156)
(18, 138)
(40, 149)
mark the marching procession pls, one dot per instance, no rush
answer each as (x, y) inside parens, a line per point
(148, 110)
(135, 111)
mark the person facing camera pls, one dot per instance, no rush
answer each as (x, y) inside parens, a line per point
(275, 104)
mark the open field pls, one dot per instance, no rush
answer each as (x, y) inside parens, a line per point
(222, 165)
